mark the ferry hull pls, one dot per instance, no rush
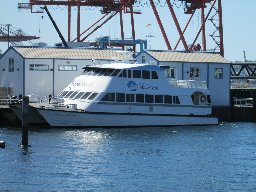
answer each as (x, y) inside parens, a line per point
(58, 118)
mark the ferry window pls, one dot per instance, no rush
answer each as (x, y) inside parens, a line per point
(73, 94)
(86, 70)
(194, 72)
(120, 97)
(60, 94)
(209, 98)
(67, 67)
(139, 98)
(143, 60)
(101, 73)
(11, 64)
(136, 73)
(92, 96)
(63, 93)
(97, 71)
(149, 99)
(109, 97)
(218, 73)
(176, 100)
(123, 74)
(159, 99)
(86, 95)
(129, 74)
(171, 72)
(79, 95)
(108, 73)
(91, 72)
(154, 75)
(146, 74)
(69, 93)
(38, 67)
(129, 97)
(115, 73)
(168, 99)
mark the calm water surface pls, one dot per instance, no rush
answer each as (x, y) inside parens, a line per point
(205, 158)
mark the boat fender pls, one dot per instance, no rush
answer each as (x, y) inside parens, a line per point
(203, 98)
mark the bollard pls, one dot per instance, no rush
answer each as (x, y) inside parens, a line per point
(2, 144)
(25, 102)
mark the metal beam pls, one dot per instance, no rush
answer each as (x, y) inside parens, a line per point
(177, 24)
(160, 25)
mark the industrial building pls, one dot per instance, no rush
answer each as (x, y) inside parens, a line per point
(43, 71)
(200, 66)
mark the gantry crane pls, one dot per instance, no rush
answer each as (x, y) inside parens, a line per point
(214, 15)
(13, 36)
(109, 8)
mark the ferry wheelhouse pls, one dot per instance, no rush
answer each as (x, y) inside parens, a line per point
(129, 95)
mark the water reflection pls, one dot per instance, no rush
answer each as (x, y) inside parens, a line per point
(205, 158)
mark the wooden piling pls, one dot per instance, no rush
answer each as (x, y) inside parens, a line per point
(25, 102)
(2, 144)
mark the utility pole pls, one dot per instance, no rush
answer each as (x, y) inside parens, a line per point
(8, 27)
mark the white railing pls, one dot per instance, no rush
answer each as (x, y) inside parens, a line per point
(188, 84)
(6, 102)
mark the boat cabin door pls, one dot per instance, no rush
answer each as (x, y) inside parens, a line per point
(199, 98)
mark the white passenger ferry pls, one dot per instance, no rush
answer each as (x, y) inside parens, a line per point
(129, 95)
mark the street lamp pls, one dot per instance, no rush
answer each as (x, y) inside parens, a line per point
(8, 27)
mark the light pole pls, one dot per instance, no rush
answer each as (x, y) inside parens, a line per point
(8, 28)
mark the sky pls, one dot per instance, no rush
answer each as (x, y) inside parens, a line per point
(238, 25)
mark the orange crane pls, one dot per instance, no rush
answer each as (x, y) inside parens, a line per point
(109, 8)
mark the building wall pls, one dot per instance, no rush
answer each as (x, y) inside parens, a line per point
(38, 77)
(61, 72)
(145, 58)
(11, 72)
(220, 87)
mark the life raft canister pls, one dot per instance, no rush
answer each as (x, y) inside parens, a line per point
(203, 98)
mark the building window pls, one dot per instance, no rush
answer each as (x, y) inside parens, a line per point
(67, 67)
(218, 73)
(194, 72)
(11, 64)
(38, 67)
(143, 60)
(171, 73)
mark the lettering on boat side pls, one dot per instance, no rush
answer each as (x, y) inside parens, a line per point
(81, 84)
(134, 86)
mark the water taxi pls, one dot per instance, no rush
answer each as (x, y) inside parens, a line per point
(129, 95)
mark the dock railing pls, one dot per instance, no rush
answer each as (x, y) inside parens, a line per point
(5, 102)
(189, 84)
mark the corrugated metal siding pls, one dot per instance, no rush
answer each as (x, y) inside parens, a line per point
(43, 53)
(187, 57)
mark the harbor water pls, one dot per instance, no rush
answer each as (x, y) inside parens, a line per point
(204, 158)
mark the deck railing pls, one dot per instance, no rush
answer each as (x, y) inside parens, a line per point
(6, 102)
(188, 84)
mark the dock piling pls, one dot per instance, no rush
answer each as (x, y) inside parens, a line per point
(25, 102)
(2, 144)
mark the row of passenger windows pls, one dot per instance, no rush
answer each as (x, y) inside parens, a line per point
(78, 95)
(140, 98)
(144, 74)
(122, 97)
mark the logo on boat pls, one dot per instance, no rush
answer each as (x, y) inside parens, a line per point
(132, 86)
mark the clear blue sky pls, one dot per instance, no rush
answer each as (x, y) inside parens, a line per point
(238, 23)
